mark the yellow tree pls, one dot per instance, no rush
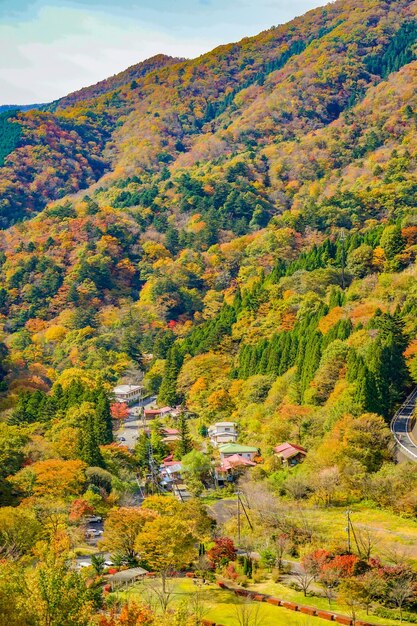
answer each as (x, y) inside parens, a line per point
(191, 512)
(59, 596)
(166, 544)
(121, 529)
(52, 478)
(19, 529)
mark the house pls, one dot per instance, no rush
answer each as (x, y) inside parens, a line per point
(128, 393)
(231, 468)
(231, 449)
(170, 435)
(170, 473)
(155, 413)
(171, 479)
(290, 454)
(222, 432)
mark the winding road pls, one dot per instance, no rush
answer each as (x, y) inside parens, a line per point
(131, 427)
(402, 426)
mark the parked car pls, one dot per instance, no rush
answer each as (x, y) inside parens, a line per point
(93, 519)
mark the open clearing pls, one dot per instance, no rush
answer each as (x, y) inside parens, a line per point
(220, 605)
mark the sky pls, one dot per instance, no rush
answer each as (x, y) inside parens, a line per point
(49, 48)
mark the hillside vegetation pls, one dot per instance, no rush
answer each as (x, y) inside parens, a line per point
(242, 228)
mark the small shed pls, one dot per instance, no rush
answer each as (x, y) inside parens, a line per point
(125, 577)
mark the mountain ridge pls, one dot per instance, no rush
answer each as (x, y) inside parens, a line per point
(234, 71)
(180, 197)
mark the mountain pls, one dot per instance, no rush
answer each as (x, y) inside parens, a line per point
(272, 88)
(263, 191)
(241, 230)
(115, 82)
(20, 107)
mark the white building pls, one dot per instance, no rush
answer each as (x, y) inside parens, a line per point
(222, 432)
(128, 393)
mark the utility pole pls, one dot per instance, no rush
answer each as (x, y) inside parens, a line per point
(238, 518)
(241, 505)
(348, 512)
(140, 412)
(153, 472)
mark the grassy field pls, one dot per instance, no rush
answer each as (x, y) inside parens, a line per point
(286, 593)
(390, 533)
(220, 605)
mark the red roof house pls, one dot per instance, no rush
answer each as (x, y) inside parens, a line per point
(290, 453)
(235, 462)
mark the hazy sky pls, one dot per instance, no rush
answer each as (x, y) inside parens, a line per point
(49, 48)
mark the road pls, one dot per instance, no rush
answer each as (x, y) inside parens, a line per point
(130, 427)
(401, 427)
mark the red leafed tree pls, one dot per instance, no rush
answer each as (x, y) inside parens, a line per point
(119, 411)
(79, 508)
(313, 563)
(344, 564)
(222, 552)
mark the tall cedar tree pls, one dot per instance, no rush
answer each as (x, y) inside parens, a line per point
(168, 391)
(89, 450)
(185, 444)
(103, 420)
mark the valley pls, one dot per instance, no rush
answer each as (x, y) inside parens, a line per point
(208, 335)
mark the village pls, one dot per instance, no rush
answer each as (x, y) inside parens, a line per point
(227, 459)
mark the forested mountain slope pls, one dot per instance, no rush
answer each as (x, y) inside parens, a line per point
(241, 97)
(305, 128)
(117, 81)
(242, 228)
(251, 238)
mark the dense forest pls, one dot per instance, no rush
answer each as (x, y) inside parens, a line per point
(241, 229)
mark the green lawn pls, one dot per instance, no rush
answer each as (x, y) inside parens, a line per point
(286, 593)
(390, 533)
(220, 605)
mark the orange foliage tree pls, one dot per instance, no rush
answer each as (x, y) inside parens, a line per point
(119, 410)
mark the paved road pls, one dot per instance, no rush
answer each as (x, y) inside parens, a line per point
(401, 427)
(131, 427)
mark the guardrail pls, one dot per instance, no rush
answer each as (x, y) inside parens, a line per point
(402, 424)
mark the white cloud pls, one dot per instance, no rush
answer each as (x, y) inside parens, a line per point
(58, 49)
(42, 67)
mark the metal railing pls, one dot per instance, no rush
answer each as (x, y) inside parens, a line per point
(402, 424)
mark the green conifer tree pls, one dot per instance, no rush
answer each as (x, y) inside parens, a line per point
(89, 449)
(185, 444)
(103, 419)
(168, 391)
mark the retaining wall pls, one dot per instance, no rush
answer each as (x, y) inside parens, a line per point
(292, 606)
